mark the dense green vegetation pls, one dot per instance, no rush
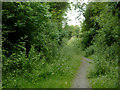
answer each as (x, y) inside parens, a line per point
(35, 48)
(100, 39)
(38, 52)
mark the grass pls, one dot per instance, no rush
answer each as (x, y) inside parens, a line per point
(55, 81)
(103, 82)
(60, 80)
(50, 77)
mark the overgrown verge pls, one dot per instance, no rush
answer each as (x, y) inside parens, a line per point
(34, 72)
(100, 41)
(34, 45)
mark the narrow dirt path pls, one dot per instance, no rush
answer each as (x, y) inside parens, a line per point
(81, 80)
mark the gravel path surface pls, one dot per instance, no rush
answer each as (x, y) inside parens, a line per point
(81, 80)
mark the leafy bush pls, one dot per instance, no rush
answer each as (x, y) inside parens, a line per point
(100, 33)
(32, 40)
(35, 67)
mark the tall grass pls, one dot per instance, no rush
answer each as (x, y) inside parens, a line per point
(35, 72)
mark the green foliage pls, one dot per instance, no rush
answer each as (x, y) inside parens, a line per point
(31, 36)
(34, 70)
(32, 45)
(35, 21)
(70, 31)
(100, 39)
(36, 48)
